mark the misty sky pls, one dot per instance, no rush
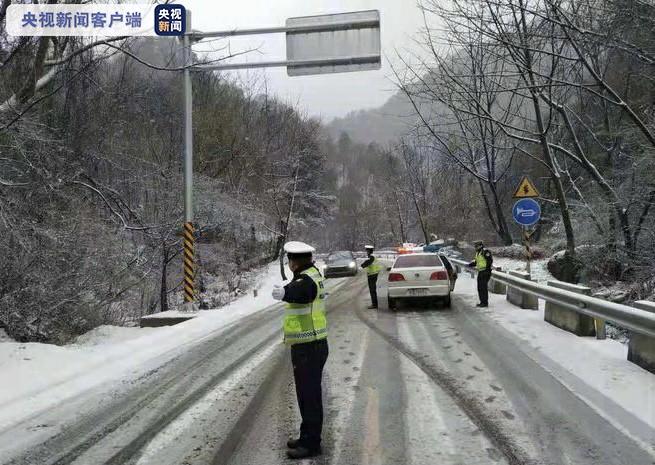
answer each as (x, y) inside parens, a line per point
(325, 96)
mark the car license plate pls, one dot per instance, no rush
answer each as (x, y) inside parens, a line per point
(417, 292)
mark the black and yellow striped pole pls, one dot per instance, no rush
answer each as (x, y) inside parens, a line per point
(188, 234)
(189, 264)
(527, 235)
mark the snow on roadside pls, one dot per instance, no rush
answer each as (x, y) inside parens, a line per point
(43, 375)
(107, 334)
(601, 365)
(539, 267)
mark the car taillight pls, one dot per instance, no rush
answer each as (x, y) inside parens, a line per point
(396, 277)
(439, 276)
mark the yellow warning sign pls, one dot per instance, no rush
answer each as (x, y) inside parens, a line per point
(526, 189)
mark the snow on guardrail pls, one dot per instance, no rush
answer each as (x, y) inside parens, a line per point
(631, 318)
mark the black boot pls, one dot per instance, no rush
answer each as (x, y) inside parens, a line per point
(301, 452)
(293, 443)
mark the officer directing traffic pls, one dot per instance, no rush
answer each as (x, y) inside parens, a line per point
(305, 330)
(483, 264)
(372, 267)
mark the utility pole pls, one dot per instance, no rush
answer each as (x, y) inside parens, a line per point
(189, 230)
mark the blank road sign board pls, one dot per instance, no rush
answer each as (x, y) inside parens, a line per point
(352, 39)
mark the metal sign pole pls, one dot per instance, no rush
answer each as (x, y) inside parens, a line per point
(526, 212)
(344, 61)
(339, 25)
(188, 234)
(528, 251)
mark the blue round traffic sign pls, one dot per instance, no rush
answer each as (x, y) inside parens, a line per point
(526, 212)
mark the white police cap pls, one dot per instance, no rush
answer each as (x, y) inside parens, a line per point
(369, 247)
(295, 247)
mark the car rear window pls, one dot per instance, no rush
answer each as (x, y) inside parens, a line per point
(416, 261)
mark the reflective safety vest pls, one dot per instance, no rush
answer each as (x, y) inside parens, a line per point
(480, 261)
(374, 267)
(306, 322)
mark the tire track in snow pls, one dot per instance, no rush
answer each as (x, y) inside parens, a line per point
(89, 434)
(435, 417)
(468, 403)
(134, 446)
(336, 426)
(188, 419)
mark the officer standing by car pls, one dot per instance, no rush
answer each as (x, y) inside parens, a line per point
(305, 331)
(483, 264)
(372, 267)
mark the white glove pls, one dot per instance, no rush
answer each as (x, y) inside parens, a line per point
(278, 292)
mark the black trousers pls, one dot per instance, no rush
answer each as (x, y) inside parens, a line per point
(308, 361)
(372, 289)
(483, 286)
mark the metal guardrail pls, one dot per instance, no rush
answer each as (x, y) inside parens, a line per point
(631, 318)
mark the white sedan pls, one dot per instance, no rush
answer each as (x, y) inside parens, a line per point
(419, 275)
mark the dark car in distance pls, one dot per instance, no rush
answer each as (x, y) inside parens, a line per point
(339, 264)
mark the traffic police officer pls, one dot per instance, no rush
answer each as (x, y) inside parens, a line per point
(305, 330)
(483, 264)
(372, 267)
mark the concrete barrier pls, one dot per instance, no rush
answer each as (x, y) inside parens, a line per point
(520, 298)
(641, 349)
(495, 286)
(170, 318)
(566, 319)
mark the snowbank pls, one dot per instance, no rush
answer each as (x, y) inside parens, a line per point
(43, 375)
(539, 268)
(600, 365)
(516, 251)
(107, 335)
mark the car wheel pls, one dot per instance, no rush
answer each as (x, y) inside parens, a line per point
(392, 304)
(446, 301)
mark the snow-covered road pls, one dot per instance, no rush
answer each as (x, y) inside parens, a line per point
(418, 386)
(44, 375)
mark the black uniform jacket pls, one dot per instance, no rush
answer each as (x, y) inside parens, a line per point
(302, 289)
(368, 261)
